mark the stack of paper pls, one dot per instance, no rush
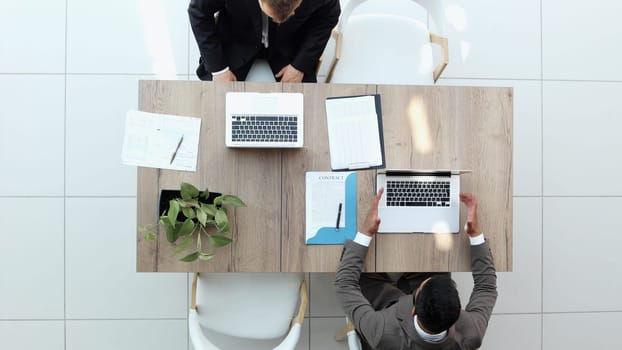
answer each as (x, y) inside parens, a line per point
(355, 135)
(161, 141)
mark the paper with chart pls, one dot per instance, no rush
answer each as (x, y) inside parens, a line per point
(330, 207)
(161, 141)
(355, 132)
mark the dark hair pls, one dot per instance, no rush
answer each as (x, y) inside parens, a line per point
(282, 8)
(437, 305)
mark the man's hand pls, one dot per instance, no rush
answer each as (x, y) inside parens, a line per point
(226, 76)
(372, 221)
(471, 226)
(289, 74)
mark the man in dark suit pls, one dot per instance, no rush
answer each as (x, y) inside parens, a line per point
(290, 34)
(429, 316)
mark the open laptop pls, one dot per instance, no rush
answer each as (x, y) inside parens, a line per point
(419, 200)
(256, 120)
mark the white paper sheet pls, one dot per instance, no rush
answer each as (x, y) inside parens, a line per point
(353, 134)
(324, 192)
(151, 139)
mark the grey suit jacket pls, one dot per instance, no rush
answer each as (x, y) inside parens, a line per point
(393, 327)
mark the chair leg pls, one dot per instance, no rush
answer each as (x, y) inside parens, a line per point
(342, 334)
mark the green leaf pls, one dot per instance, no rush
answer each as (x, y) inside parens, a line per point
(188, 203)
(232, 201)
(218, 200)
(186, 228)
(185, 245)
(141, 229)
(188, 191)
(150, 236)
(221, 217)
(189, 213)
(173, 211)
(224, 228)
(209, 209)
(170, 229)
(205, 194)
(190, 257)
(176, 231)
(218, 240)
(206, 256)
(201, 216)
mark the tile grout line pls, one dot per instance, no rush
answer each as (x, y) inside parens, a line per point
(541, 180)
(65, 184)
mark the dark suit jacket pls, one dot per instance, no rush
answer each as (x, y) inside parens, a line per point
(235, 38)
(393, 327)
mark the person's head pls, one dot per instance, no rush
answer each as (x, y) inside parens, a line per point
(279, 10)
(437, 304)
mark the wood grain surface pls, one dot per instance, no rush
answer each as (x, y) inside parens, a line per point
(425, 127)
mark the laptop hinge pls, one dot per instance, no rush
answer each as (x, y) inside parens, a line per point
(446, 173)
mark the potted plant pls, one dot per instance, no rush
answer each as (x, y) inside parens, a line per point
(190, 215)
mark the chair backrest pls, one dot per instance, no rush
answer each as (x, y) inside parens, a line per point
(260, 71)
(434, 9)
(248, 305)
(367, 53)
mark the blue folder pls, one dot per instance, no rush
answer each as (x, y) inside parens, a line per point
(330, 234)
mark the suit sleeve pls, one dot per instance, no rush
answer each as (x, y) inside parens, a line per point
(201, 13)
(368, 322)
(317, 33)
(484, 294)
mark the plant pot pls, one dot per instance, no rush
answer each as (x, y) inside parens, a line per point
(167, 195)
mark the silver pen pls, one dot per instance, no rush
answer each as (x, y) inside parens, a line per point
(181, 139)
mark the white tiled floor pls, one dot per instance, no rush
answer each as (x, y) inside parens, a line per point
(126, 334)
(31, 256)
(32, 121)
(32, 36)
(493, 39)
(577, 37)
(49, 335)
(127, 37)
(597, 330)
(69, 71)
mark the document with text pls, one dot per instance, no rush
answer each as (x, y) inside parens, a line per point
(161, 141)
(355, 132)
(330, 207)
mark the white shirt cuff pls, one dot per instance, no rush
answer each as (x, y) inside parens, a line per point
(221, 71)
(362, 239)
(477, 240)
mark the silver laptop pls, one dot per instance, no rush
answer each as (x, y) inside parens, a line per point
(256, 120)
(419, 200)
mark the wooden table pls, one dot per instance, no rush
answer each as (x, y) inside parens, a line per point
(425, 127)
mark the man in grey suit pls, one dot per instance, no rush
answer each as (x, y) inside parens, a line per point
(429, 315)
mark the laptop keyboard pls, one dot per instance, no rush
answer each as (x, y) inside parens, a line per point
(418, 193)
(264, 128)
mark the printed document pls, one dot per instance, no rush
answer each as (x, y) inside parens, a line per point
(330, 207)
(161, 141)
(354, 132)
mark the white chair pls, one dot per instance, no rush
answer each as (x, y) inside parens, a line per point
(366, 50)
(247, 310)
(260, 72)
(348, 332)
